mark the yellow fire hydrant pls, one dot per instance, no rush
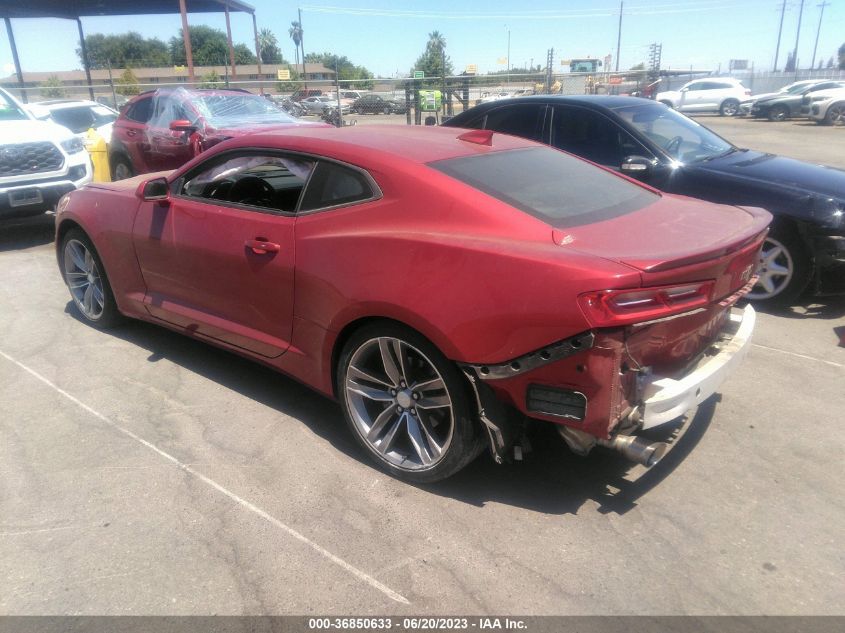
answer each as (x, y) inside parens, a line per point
(99, 152)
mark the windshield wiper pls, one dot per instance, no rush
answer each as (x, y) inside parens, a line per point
(722, 155)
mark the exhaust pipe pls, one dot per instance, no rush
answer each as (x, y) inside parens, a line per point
(636, 449)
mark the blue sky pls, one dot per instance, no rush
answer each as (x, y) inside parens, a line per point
(386, 36)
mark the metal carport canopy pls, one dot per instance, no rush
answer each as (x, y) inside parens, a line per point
(76, 9)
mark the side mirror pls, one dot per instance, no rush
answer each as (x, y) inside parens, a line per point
(637, 166)
(155, 190)
(182, 125)
(684, 89)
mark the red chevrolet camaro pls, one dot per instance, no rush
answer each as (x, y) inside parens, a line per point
(443, 285)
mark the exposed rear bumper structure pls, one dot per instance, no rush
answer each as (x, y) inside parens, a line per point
(665, 399)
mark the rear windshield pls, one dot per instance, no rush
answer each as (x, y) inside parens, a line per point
(558, 188)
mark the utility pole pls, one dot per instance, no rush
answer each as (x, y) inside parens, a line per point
(619, 34)
(780, 32)
(550, 55)
(797, 35)
(818, 31)
(302, 47)
(509, 56)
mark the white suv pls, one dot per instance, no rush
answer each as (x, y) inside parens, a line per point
(825, 106)
(40, 161)
(719, 94)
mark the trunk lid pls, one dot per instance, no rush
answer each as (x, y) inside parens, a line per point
(676, 240)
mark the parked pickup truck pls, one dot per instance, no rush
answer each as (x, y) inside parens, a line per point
(40, 161)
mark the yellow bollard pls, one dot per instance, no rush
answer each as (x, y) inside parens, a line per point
(99, 152)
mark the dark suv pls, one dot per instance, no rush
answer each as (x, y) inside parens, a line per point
(375, 104)
(164, 129)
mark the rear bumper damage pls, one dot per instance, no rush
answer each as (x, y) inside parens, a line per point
(589, 391)
(665, 399)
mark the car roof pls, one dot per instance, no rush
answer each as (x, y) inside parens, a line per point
(610, 102)
(383, 143)
(55, 104)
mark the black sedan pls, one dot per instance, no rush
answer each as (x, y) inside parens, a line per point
(648, 141)
(376, 104)
(780, 107)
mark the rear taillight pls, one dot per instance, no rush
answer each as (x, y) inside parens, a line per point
(610, 308)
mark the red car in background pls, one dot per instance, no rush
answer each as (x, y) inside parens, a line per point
(443, 285)
(164, 129)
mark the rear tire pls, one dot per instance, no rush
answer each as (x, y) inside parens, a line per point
(729, 107)
(406, 404)
(785, 269)
(121, 168)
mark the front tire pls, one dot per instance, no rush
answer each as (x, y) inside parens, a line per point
(835, 114)
(778, 113)
(406, 404)
(785, 269)
(86, 279)
(729, 107)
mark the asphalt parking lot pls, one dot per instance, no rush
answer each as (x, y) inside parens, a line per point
(147, 473)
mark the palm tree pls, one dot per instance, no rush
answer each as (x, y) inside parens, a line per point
(295, 32)
(266, 41)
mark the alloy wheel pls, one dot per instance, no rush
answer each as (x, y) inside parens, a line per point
(83, 279)
(836, 113)
(399, 403)
(776, 268)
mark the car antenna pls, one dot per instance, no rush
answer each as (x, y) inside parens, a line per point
(480, 137)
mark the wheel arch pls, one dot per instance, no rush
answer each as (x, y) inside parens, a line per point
(348, 330)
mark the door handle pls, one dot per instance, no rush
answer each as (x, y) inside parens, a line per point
(260, 246)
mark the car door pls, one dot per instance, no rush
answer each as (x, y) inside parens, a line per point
(170, 149)
(130, 131)
(692, 97)
(218, 260)
(592, 135)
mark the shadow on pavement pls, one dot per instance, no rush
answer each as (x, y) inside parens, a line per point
(21, 233)
(550, 480)
(809, 308)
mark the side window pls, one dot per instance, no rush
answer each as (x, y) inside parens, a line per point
(271, 183)
(332, 185)
(696, 86)
(520, 120)
(141, 111)
(592, 136)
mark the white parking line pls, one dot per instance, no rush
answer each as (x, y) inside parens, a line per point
(783, 351)
(360, 575)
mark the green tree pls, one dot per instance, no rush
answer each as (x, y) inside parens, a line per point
(434, 61)
(842, 57)
(353, 76)
(210, 80)
(268, 46)
(127, 84)
(790, 63)
(209, 47)
(127, 49)
(53, 88)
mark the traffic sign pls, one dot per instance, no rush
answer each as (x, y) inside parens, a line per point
(419, 74)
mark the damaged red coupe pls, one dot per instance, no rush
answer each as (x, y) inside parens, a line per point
(444, 286)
